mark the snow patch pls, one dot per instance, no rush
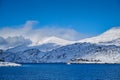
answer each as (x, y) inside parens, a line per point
(8, 64)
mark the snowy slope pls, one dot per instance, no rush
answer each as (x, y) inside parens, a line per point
(101, 53)
(110, 37)
(27, 56)
(54, 40)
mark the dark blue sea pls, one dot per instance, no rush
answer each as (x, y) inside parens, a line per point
(61, 72)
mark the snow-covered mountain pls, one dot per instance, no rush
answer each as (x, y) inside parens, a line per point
(32, 53)
(44, 45)
(51, 40)
(54, 40)
(110, 37)
(26, 56)
(98, 53)
(100, 49)
(78, 52)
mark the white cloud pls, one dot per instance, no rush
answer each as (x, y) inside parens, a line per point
(28, 31)
(13, 42)
(2, 41)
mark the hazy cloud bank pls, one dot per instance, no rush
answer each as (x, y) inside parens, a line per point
(24, 34)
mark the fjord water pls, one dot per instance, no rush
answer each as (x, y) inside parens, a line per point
(61, 72)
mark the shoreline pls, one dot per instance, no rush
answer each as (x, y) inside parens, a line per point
(67, 63)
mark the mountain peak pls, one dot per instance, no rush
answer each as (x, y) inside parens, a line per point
(109, 35)
(55, 40)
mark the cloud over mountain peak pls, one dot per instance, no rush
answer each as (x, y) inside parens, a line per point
(29, 32)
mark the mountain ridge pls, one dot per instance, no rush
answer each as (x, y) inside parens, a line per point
(104, 48)
(109, 35)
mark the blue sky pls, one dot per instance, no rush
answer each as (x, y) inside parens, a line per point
(90, 17)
